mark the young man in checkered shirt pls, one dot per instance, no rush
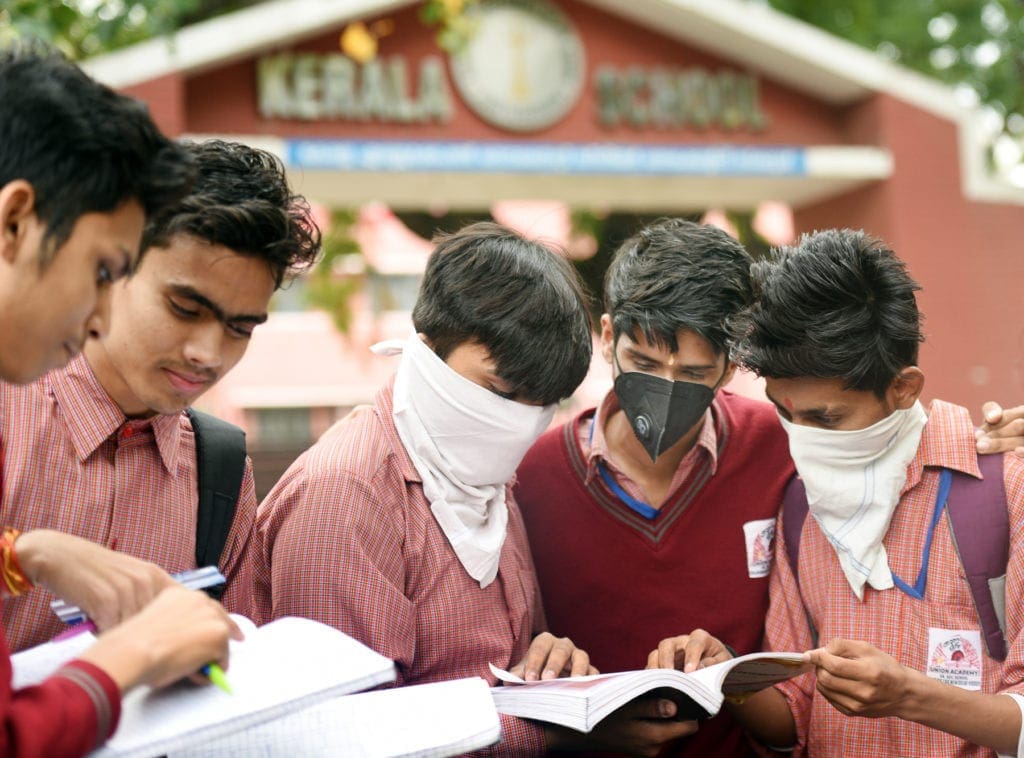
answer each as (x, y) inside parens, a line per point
(102, 448)
(80, 168)
(901, 668)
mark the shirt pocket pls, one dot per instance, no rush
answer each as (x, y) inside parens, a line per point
(928, 620)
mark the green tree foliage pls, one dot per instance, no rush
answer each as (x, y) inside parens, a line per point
(331, 284)
(977, 44)
(81, 28)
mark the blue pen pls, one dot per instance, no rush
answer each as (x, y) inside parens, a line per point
(196, 579)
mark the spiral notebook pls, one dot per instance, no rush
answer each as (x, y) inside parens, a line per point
(279, 668)
(423, 720)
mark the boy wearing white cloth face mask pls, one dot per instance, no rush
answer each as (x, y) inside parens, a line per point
(835, 331)
(397, 526)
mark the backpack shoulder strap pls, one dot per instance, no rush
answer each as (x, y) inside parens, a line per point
(794, 513)
(220, 463)
(980, 526)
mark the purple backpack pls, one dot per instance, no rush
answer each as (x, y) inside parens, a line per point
(978, 521)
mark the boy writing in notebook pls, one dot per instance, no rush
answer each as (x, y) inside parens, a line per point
(877, 580)
(80, 168)
(398, 526)
(102, 448)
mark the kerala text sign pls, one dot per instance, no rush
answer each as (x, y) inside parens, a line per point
(309, 86)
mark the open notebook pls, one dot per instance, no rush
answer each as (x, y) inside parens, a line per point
(581, 702)
(281, 667)
(441, 719)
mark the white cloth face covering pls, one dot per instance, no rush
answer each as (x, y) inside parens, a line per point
(466, 442)
(853, 481)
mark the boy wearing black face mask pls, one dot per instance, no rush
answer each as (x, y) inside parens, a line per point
(657, 508)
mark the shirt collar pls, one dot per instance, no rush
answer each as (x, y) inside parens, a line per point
(946, 442)
(385, 406)
(92, 416)
(707, 439)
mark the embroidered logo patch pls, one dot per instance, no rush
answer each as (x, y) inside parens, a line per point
(759, 536)
(954, 657)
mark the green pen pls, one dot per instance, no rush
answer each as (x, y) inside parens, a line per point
(216, 675)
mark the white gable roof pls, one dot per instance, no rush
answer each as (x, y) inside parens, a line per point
(748, 32)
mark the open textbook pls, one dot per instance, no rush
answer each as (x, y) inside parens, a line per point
(279, 668)
(581, 702)
(436, 720)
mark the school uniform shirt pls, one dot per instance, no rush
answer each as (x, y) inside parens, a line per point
(347, 537)
(617, 581)
(73, 463)
(938, 635)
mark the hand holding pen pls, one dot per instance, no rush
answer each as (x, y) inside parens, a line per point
(196, 579)
(179, 633)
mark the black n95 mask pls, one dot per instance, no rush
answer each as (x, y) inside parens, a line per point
(659, 410)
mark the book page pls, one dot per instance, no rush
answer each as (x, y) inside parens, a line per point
(35, 664)
(441, 719)
(280, 667)
(753, 672)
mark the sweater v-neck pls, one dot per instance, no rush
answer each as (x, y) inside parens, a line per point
(675, 504)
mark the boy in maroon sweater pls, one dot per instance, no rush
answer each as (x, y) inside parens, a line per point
(658, 507)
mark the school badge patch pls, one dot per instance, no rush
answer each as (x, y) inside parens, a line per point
(759, 536)
(954, 657)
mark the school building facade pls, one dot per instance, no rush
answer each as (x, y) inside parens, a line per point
(659, 106)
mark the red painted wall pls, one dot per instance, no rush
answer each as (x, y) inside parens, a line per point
(963, 253)
(224, 100)
(165, 97)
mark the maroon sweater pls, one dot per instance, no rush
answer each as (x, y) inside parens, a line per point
(617, 583)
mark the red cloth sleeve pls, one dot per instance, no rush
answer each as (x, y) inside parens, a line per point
(71, 713)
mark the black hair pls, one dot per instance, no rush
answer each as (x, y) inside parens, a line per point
(83, 147)
(675, 274)
(487, 284)
(837, 305)
(241, 200)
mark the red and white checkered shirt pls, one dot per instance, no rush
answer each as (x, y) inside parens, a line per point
(72, 463)
(890, 619)
(347, 537)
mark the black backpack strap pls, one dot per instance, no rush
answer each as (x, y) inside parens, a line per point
(220, 466)
(980, 526)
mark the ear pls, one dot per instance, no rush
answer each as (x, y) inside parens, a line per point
(17, 211)
(607, 338)
(730, 372)
(906, 388)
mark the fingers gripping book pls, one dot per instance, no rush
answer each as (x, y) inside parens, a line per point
(581, 702)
